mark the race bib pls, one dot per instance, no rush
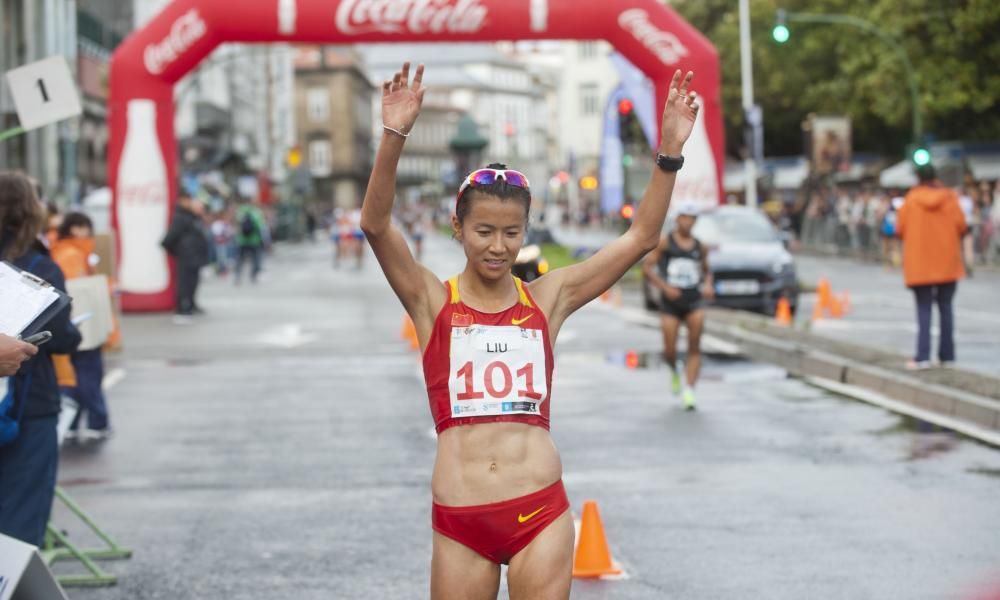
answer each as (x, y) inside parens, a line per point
(683, 273)
(496, 371)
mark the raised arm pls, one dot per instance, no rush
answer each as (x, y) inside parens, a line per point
(417, 288)
(566, 290)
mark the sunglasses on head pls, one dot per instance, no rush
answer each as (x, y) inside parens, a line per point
(484, 177)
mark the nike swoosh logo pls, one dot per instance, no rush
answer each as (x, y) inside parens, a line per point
(519, 321)
(523, 519)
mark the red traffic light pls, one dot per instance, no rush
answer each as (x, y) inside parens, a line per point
(625, 107)
(628, 211)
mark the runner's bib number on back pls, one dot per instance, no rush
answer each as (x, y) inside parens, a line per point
(496, 371)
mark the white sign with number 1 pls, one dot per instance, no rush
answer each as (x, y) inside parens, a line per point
(43, 92)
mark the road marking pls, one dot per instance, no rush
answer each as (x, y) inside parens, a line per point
(112, 378)
(287, 336)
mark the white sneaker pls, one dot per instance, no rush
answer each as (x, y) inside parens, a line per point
(917, 365)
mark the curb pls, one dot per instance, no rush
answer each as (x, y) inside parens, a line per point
(969, 414)
(974, 410)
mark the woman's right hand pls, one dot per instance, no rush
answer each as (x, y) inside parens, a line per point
(672, 293)
(401, 101)
(13, 352)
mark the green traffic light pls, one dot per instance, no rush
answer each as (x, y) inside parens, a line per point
(781, 33)
(627, 160)
(921, 156)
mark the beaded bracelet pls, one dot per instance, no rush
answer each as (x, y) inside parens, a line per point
(396, 131)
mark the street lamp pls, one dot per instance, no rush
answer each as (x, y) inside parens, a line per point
(781, 34)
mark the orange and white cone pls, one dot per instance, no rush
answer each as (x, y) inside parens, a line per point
(593, 557)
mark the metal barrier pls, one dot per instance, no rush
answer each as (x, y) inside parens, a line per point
(58, 547)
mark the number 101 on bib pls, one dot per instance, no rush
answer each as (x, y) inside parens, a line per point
(496, 371)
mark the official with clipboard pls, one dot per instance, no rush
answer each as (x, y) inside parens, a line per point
(28, 461)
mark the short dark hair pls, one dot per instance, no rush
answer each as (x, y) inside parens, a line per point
(499, 189)
(22, 216)
(71, 220)
(926, 173)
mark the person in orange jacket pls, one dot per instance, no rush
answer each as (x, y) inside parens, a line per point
(931, 225)
(73, 251)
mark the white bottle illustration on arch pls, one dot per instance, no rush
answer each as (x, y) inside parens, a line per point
(143, 204)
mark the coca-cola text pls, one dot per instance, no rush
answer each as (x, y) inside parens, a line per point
(185, 31)
(143, 194)
(410, 16)
(665, 45)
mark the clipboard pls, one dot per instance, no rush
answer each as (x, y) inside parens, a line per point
(27, 303)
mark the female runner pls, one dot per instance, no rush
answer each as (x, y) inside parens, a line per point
(487, 344)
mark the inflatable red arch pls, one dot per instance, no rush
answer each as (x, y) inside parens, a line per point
(144, 69)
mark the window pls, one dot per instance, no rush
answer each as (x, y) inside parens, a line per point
(587, 50)
(319, 157)
(318, 105)
(588, 98)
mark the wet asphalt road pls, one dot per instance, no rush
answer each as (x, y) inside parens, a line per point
(281, 447)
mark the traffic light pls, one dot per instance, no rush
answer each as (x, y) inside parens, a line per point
(921, 156)
(780, 33)
(627, 160)
(628, 211)
(625, 118)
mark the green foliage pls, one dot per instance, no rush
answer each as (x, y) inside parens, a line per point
(954, 46)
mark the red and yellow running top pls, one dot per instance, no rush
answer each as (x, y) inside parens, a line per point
(488, 367)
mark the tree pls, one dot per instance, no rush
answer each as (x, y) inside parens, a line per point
(838, 69)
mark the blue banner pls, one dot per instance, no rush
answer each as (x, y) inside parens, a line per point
(612, 179)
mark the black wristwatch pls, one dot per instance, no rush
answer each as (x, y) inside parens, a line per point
(669, 164)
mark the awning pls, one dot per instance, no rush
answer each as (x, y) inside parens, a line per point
(984, 166)
(899, 175)
(790, 177)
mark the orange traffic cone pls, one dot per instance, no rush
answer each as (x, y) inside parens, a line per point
(836, 308)
(784, 313)
(824, 293)
(409, 332)
(593, 558)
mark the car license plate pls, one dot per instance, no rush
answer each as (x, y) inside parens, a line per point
(737, 287)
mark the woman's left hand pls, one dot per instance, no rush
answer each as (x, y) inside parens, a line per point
(679, 115)
(401, 101)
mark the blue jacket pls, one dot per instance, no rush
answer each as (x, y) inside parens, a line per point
(43, 397)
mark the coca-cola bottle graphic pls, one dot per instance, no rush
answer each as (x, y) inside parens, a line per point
(142, 206)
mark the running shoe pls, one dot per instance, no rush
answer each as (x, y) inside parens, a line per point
(917, 365)
(675, 383)
(688, 398)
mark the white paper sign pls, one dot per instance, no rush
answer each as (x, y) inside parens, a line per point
(44, 92)
(23, 573)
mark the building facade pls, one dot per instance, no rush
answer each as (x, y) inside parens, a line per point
(333, 116)
(31, 30)
(505, 98)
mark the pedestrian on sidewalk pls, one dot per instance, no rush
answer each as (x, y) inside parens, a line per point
(931, 226)
(188, 241)
(487, 340)
(74, 252)
(679, 268)
(251, 237)
(28, 462)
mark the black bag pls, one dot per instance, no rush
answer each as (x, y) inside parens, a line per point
(248, 226)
